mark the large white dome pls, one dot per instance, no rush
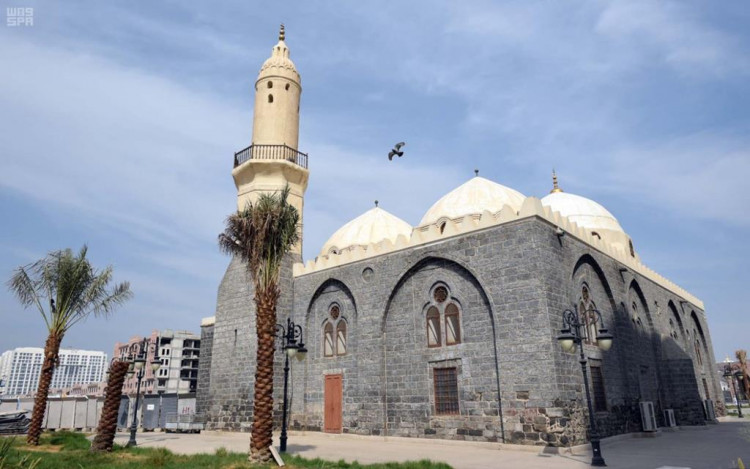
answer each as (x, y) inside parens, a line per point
(371, 227)
(584, 212)
(472, 198)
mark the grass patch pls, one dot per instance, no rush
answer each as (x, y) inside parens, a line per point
(70, 450)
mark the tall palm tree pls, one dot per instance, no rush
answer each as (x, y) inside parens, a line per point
(261, 235)
(74, 289)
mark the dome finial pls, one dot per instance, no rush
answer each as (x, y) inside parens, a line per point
(281, 32)
(555, 187)
(376, 203)
(476, 172)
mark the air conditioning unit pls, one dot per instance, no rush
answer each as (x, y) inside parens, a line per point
(648, 417)
(669, 418)
(710, 412)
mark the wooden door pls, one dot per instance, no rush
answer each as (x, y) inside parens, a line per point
(333, 395)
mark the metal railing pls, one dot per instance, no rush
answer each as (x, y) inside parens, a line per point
(270, 152)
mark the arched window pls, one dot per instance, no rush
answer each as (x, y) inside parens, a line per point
(452, 325)
(270, 98)
(442, 227)
(433, 327)
(328, 345)
(286, 87)
(586, 312)
(697, 343)
(341, 338)
(270, 84)
(334, 332)
(442, 310)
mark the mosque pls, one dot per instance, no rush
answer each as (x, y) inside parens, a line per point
(449, 329)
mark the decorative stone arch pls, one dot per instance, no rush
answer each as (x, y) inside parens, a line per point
(431, 258)
(675, 317)
(331, 282)
(636, 288)
(701, 338)
(474, 279)
(588, 260)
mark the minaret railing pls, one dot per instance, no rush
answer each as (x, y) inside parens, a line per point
(271, 152)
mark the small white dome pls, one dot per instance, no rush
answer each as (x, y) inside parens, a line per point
(371, 227)
(472, 198)
(279, 64)
(584, 212)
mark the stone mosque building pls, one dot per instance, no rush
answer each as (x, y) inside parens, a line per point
(448, 329)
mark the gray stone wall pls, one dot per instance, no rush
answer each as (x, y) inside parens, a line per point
(203, 388)
(512, 283)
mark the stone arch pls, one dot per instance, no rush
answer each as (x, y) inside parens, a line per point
(330, 282)
(701, 338)
(675, 316)
(588, 260)
(636, 288)
(468, 291)
(420, 264)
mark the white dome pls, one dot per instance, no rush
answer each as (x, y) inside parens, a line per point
(472, 198)
(584, 212)
(371, 227)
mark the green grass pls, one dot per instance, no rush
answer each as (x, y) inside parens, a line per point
(70, 450)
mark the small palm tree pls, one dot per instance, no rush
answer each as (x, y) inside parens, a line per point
(74, 290)
(261, 235)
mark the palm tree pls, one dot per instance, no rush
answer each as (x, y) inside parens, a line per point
(105, 433)
(74, 290)
(261, 235)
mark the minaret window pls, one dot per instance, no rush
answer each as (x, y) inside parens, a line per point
(270, 98)
(286, 87)
(270, 84)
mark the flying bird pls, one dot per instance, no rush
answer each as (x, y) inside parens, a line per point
(396, 152)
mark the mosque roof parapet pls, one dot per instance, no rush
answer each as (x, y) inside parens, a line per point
(531, 207)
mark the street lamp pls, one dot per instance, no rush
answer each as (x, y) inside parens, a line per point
(137, 365)
(292, 346)
(572, 334)
(739, 376)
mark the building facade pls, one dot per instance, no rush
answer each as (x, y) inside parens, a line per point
(20, 369)
(178, 352)
(448, 329)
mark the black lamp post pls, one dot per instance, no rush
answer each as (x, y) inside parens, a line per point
(137, 358)
(573, 333)
(292, 346)
(738, 376)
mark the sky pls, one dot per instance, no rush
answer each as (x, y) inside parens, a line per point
(118, 123)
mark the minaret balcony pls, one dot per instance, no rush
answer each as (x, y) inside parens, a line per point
(271, 152)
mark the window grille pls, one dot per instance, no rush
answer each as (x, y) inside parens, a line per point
(597, 382)
(446, 391)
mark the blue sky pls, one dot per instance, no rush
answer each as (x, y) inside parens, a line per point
(118, 122)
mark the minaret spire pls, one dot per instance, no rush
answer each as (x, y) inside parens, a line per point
(281, 32)
(555, 187)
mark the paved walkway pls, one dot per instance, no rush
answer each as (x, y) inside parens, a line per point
(711, 447)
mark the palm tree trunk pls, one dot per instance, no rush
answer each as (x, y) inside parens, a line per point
(105, 433)
(51, 351)
(262, 431)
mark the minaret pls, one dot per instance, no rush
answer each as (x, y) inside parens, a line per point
(272, 160)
